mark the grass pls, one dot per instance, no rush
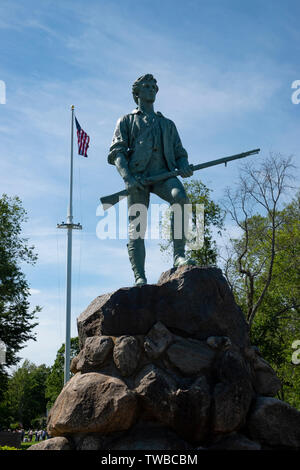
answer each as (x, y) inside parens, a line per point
(25, 445)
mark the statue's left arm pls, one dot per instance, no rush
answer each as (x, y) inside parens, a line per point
(181, 156)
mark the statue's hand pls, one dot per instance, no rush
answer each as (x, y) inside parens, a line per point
(185, 170)
(132, 183)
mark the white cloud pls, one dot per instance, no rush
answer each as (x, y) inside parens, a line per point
(34, 291)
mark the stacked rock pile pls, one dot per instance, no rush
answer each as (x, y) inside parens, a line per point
(170, 366)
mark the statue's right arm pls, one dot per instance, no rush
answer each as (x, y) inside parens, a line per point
(122, 166)
(118, 151)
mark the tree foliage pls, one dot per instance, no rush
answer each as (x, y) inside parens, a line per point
(277, 323)
(262, 265)
(24, 398)
(31, 390)
(254, 206)
(55, 379)
(16, 318)
(198, 193)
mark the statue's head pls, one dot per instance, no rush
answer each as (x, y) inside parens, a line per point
(145, 82)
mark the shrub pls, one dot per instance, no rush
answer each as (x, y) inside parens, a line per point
(7, 448)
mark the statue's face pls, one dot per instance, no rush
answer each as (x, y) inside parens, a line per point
(147, 91)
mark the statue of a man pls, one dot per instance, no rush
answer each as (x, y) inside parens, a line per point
(145, 143)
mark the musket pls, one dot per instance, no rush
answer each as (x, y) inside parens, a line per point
(113, 199)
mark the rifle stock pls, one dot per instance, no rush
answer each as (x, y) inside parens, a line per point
(112, 199)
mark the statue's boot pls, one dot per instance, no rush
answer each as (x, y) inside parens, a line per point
(137, 254)
(179, 257)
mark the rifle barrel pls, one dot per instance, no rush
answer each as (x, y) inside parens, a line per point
(224, 160)
(113, 199)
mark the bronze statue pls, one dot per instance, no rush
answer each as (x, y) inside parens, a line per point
(148, 154)
(145, 143)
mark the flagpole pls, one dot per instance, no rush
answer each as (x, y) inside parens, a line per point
(70, 208)
(70, 227)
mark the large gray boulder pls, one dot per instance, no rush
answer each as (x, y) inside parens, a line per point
(147, 436)
(235, 441)
(56, 443)
(170, 366)
(265, 382)
(275, 423)
(157, 340)
(190, 356)
(92, 402)
(189, 301)
(95, 352)
(126, 354)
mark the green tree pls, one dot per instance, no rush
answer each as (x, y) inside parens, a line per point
(198, 193)
(276, 324)
(16, 318)
(262, 263)
(254, 205)
(55, 380)
(25, 395)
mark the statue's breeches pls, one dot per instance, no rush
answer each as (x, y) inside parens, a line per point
(171, 191)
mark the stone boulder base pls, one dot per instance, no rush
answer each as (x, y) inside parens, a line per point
(56, 443)
(189, 301)
(92, 402)
(235, 441)
(275, 423)
(150, 437)
(170, 366)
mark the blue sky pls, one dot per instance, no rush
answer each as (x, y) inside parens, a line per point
(224, 70)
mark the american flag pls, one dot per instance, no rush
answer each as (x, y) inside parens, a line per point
(83, 140)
